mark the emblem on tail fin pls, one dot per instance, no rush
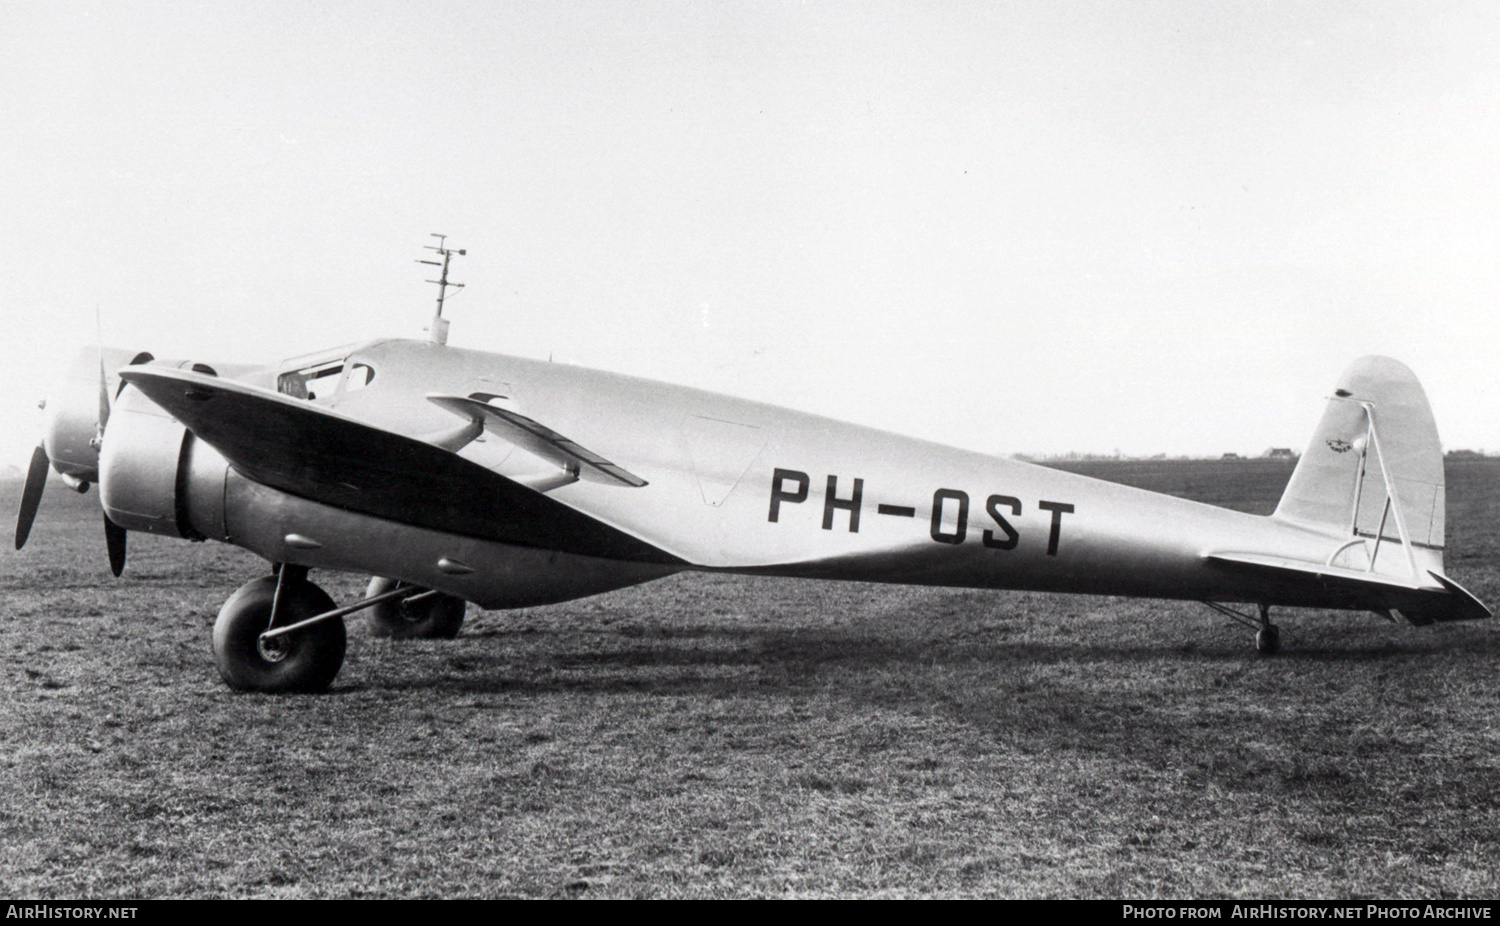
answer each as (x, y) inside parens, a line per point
(1339, 445)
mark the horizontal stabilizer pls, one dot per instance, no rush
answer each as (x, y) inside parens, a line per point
(1317, 570)
(1472, 608)
(1418, 603)
(316, 453)
(533, 436)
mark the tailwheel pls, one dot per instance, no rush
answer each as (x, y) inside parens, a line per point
(1268, 637)
(1268, 640)
(425, 615)
(304, 660)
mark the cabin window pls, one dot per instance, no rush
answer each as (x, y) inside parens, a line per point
(307, 382)
(360, 375)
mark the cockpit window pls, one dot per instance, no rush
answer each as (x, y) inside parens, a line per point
(360, 375)
(307, 382)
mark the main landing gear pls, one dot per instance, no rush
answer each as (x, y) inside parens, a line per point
(423, 616)
(281, 633)
(1267, 634)
(306, 660)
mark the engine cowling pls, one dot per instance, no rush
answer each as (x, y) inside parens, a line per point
(155, 476)
(74, 406)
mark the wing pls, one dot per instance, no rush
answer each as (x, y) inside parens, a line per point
(322, 455)
(533, 436)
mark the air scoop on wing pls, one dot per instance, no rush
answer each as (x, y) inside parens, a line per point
(535, 437)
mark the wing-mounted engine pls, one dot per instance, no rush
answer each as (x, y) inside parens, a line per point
(155, 476)
(78, 411)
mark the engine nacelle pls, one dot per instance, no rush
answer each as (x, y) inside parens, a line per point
(73, 406)
(154, 476)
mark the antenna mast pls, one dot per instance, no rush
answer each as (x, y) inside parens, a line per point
(437, 332)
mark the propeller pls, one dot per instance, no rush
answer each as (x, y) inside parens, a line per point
(114, 541)
(103, 384)
(114, 534)
(31, 496)
(73, 434)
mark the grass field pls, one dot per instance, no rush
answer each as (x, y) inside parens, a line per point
(723, 736)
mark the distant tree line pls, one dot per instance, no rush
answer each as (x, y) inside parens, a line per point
(1273, 453)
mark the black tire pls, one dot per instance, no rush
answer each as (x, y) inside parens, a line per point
(437, 617)
(305, 661)
(1268, 641)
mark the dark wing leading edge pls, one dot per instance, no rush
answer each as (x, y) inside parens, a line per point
(318, 454)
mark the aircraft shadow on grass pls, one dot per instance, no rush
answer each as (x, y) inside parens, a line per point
(803, 660)
(1017, 703)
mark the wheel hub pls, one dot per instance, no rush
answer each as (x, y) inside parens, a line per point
(412, 614)
(272, 650)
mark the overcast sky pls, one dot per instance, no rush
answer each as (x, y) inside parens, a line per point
(1014, 227)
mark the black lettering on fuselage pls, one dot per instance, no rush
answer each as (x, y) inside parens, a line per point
(961, 524)
(1058, 509)
(992, 505)
(792, 486)
(779, 495)
(831, 503)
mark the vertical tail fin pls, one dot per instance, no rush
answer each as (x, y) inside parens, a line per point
(1374, 467)
(1371, 481)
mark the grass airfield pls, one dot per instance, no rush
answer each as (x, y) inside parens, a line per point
(727, 736)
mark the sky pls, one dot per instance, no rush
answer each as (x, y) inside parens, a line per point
(1036, 227)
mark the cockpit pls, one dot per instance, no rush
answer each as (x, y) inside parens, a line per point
(325, 378)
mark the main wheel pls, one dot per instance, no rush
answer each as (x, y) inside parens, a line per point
(303, 661)
(436, 617)
(1268, 640)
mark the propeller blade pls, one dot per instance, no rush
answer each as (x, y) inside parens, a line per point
(103, 401)
(114, 539)
(103, 376)
(31, 496)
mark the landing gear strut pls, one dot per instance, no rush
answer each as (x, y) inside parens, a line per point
(282, 633)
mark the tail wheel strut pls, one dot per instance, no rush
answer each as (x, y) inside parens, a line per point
(1267, 634)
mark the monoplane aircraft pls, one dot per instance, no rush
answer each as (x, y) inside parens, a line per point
(456, 476)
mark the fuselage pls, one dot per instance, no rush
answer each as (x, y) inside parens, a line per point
(740, 486)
